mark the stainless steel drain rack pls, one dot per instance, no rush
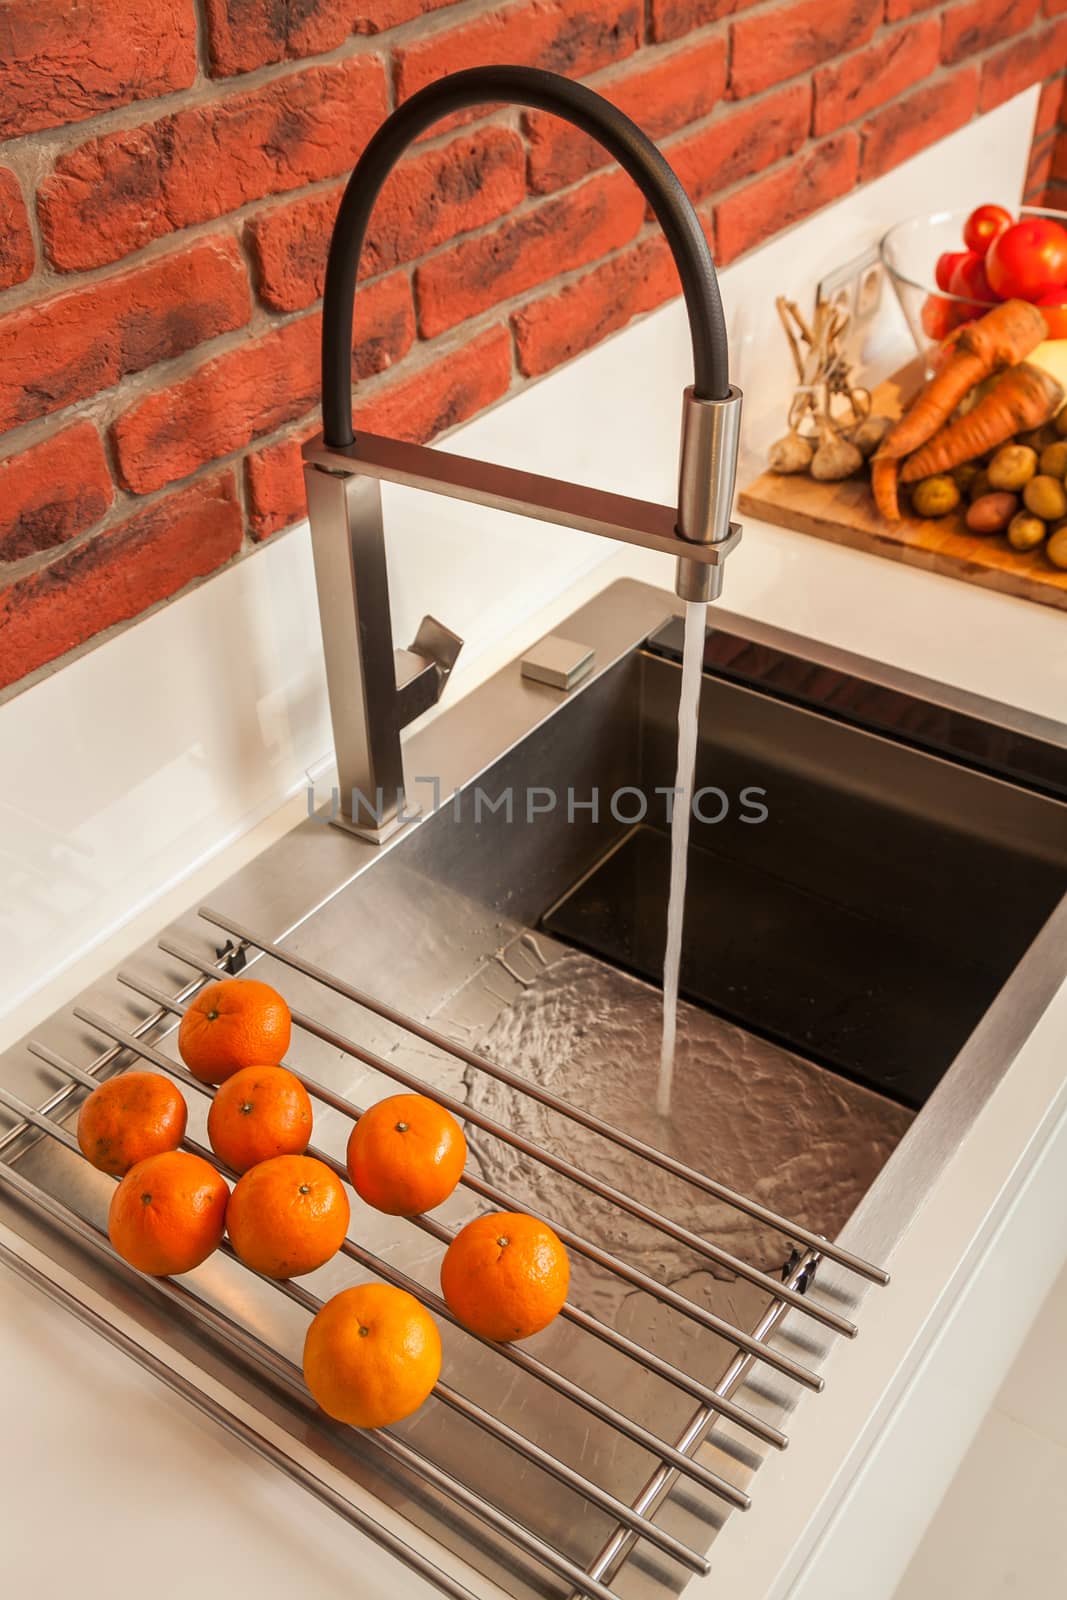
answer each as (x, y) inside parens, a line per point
(632, 1522)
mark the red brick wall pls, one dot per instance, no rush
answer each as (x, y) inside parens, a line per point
(169, 170)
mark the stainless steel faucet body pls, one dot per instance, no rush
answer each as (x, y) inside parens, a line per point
(376, 691)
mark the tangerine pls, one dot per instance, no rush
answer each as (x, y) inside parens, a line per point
(372, 1355)
(406, 1155)
(258, 1113)
(505, 1275)
(238, 1022)
(287, 1216)
(135, 1115)
(168, 1213)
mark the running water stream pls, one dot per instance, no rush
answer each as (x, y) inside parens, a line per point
(696, 614)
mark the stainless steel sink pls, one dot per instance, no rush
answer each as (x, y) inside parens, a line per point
(899, 907)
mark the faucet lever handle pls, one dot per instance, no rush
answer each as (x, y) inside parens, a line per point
(423, 669)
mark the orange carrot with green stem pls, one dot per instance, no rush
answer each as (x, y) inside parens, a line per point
(1023, 398)
(1004, 336)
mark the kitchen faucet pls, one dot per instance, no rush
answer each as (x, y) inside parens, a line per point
(375, 691)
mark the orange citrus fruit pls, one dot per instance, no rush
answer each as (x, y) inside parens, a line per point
(287, 1216)
(372, 1355)
(236, 1023)
(168, 1213)
(406, 1155)
(258, 1113)
(505, 1275)
(135, 1115)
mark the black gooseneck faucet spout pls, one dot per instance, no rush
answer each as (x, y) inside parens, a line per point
(371, 697)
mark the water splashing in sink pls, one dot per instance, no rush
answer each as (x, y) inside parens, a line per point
(696, 614)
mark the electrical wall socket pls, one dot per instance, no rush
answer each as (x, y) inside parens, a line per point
(855, 286)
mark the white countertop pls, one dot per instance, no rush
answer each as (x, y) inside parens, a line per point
(84, 1429)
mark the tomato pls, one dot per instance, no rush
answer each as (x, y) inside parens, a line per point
(982, 227)
(1054, 310)
(946, 265)
(1028, 259)
(969, 280)
(938, 317)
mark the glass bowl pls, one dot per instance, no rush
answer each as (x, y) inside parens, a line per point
(909, 254)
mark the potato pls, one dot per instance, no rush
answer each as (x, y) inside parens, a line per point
(1053, 460)
(936, 496)
(965, 474)
(1012, 467)
(1056, 549)
(991, 513)
(1046, 498)
(1025, 532)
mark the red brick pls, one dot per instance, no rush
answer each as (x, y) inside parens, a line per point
(908, 126)
(555, 34)
(553, 237)
(16, 242)
(52, 492)
(75, 344)
(1049, 105)
(744, 219)
(117, 575)
(899, 10)
(978, 24)
(249, 391)
(673, 91)
(672, 19)
(1058, 168)
(1038, 174)
(245, 34)
(1026, 61)
(61, 62)
(429, 198)
(117, 193)
(416, 406)
(745, 140)
(560, 326)
(798, 37)
(847, 90)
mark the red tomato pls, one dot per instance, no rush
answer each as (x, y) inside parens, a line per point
(1029, 259)
(938, 317)
(969, 280)
(982, 227)
(1054, 310)
(946, 265)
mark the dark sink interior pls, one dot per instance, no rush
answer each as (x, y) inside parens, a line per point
(871, 918)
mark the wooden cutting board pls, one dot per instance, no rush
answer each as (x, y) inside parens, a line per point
(844, 513)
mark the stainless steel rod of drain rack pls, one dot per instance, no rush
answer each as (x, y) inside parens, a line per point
(566, 1169)
(610, 1263)
(452, 1398)
(613, 1264)
(564, 1386)
(606, 1564)
(520, 1536)
(236, 1427)
(659, 1158)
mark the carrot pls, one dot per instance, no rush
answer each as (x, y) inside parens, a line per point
(1022, 398)
(884, 486)
(1003, 337)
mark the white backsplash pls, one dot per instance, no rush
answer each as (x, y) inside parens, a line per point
(135, 764)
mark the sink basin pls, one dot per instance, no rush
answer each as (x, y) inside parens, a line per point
(889, 861)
